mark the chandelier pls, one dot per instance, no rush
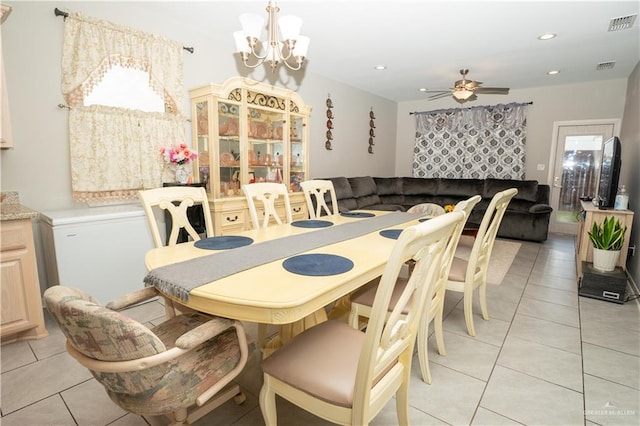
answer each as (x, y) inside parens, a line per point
(291, 51)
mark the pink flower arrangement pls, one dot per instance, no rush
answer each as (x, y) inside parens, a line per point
(178, 154)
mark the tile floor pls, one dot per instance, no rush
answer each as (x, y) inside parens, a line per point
(546, 357)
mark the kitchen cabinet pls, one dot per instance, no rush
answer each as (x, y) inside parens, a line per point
(22, 315)
(6, 136)
(245, 132)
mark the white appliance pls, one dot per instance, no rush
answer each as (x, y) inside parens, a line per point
(100, 250)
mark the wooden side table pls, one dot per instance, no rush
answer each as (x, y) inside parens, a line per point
(591, 214)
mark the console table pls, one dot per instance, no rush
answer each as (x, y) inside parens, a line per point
(591, 214)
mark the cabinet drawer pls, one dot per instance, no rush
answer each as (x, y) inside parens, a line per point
(233, 218)
(14, 235)
(299, 211)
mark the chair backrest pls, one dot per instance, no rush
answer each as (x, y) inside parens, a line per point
(175, 200)
(430, 209)
(105, 335)
(486, 236)
(315, 192)
(440, 286)
(390, 336)
(267, 193)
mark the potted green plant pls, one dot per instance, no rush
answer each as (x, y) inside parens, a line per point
(607, 239)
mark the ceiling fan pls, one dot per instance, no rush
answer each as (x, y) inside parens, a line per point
(465, 90)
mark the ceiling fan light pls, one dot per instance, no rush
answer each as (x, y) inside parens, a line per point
(462, 95)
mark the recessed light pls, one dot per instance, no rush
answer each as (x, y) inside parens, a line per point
(553, 72)
(380, 67)
(547, 36)
(423, 89)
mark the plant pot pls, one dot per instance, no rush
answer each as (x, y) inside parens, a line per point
(605, 260)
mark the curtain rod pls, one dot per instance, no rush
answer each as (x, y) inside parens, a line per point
(453, 109)
(65, 15)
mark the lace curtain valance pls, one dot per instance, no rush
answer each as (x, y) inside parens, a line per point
(92, 46)
(478, 142)
(115, 151)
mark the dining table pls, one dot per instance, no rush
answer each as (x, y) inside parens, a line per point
(282, 274)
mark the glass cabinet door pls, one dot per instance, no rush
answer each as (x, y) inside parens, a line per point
(229, 149)
(202, 143)
(266, 147)
(297, 157)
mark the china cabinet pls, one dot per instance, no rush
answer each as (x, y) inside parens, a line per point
(246, 132)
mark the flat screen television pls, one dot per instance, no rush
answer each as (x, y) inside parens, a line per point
(609, 172)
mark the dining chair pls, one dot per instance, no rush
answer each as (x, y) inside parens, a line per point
(467, 275)
(315, 191)
(267, 193)
(362, 300)
(175, 200)
(182, 368)
(430, 209)
(347, 376)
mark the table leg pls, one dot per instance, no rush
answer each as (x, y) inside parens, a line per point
(289, 331)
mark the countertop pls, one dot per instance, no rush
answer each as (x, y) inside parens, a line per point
(11, 209)
(16, 212)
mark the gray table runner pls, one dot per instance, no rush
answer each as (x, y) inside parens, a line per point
(180, 278)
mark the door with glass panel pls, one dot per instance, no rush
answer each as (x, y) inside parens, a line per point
(576, 168)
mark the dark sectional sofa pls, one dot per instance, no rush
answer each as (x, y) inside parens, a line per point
(527, 217)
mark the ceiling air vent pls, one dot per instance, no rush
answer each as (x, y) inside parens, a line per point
(605, 65)
(622, 23)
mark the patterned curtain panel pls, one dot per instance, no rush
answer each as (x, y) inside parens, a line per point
(479, 142)
(123, 154)
(115, 151)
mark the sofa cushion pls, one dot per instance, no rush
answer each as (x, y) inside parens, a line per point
(388, 185)
(342, 187)
(364, 191)
(419, 186)
(461, 187)
(527, 189)
(362, 186)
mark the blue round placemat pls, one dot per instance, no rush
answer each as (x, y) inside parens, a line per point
(424, 219)
(223, 242)
(312, 223)
(357, 214)
(391, 233)
(317, 264)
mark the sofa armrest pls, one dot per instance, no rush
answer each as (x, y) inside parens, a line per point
(540, 209)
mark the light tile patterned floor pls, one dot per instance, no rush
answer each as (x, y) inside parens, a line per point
(546, 357)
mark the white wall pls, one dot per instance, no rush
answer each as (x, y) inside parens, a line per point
(586, 101)
(630, 170)
(38, 168)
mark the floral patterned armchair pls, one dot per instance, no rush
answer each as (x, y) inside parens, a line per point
(163, 370)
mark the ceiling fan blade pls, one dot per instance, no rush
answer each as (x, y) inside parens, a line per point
(439, 96)
(492, 90)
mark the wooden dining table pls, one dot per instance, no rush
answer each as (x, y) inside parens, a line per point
(268, 293)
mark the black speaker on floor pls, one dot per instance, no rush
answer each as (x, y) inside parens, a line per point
(609, 286)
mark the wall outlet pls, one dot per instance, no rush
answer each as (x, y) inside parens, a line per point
(540, 167)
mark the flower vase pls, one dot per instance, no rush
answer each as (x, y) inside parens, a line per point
(182, 173)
